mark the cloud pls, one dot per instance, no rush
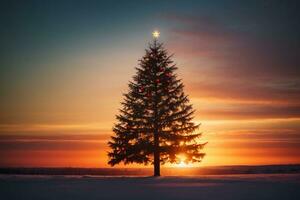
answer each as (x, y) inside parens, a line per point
(47, 128)
(245, 100)
(239, 47)
(54, 137)
(246, 90)
(241, 60)
(49, 145)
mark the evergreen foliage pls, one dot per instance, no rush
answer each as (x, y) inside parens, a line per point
(155, 125)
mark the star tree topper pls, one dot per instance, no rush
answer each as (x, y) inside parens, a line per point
(156, 34)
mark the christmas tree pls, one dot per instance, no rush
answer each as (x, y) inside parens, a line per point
(155, 122)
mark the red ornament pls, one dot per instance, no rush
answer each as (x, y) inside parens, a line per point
(141, 89)
(157, 80)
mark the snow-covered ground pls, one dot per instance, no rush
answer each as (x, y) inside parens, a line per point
(210, 187)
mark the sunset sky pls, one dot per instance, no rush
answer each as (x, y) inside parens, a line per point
(65, 64)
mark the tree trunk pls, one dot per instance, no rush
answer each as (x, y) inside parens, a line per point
(156, 155)
(156, 136)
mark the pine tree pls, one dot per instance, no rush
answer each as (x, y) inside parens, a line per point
(155, 123)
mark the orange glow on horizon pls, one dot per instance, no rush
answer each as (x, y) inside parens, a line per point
(230, 142)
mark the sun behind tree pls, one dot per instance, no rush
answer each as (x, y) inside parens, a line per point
(155, 123)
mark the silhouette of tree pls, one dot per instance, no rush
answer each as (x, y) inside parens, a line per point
(155, 123)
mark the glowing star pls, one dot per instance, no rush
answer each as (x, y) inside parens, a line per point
(156, 34)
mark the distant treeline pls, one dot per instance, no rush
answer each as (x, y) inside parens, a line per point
(220, 170)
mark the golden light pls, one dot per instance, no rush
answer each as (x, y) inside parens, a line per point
(181, 163)
(156, 34)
